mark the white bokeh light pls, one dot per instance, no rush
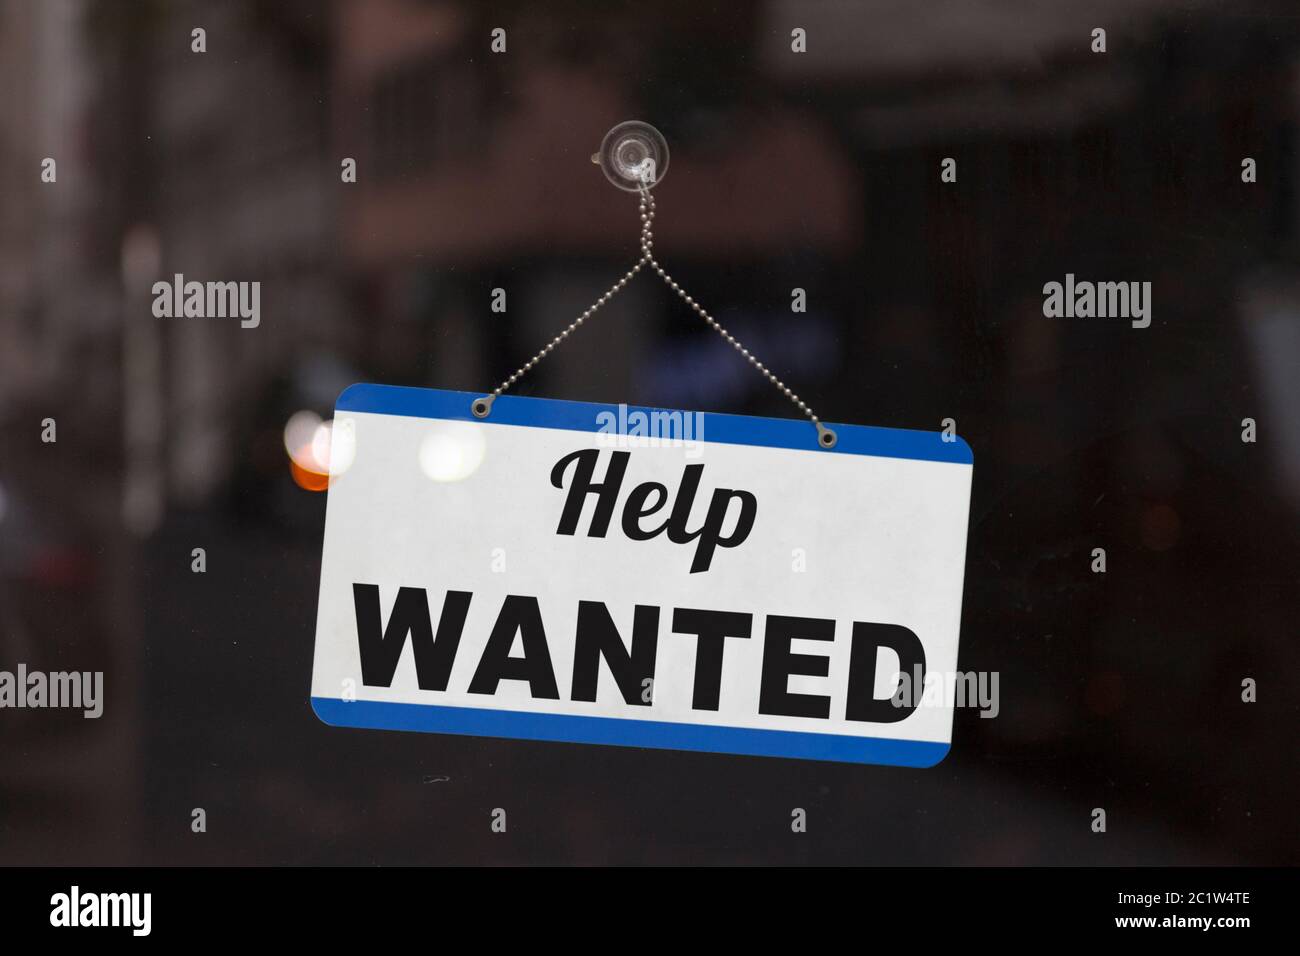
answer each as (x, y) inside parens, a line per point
(452, 451)
(334, 445)
(299, 438)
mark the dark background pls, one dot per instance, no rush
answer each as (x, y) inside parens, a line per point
(818, 171)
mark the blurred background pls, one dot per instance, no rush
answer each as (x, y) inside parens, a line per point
(817, 171)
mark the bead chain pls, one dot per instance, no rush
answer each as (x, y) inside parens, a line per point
(483, 406)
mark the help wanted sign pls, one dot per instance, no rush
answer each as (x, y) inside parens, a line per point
(602, 574)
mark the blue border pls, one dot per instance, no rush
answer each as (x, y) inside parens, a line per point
(567, 728)
(727, 429)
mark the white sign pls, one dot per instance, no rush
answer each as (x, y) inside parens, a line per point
(599, 574)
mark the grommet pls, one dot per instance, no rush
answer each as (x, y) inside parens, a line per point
(482, 407)
(633, 155)
(825, 437)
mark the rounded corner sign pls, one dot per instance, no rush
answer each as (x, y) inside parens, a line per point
(590, 573)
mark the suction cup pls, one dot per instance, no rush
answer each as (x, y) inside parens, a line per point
(632, 155)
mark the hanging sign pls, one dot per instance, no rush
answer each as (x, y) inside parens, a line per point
(603, 574)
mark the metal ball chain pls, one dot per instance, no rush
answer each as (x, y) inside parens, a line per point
(483, 406)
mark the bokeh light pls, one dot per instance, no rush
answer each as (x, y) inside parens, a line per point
(318, 450)
(299, 433)
(334, 445)
(452, 451)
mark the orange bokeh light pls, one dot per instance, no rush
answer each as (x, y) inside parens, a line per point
(304, 477)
